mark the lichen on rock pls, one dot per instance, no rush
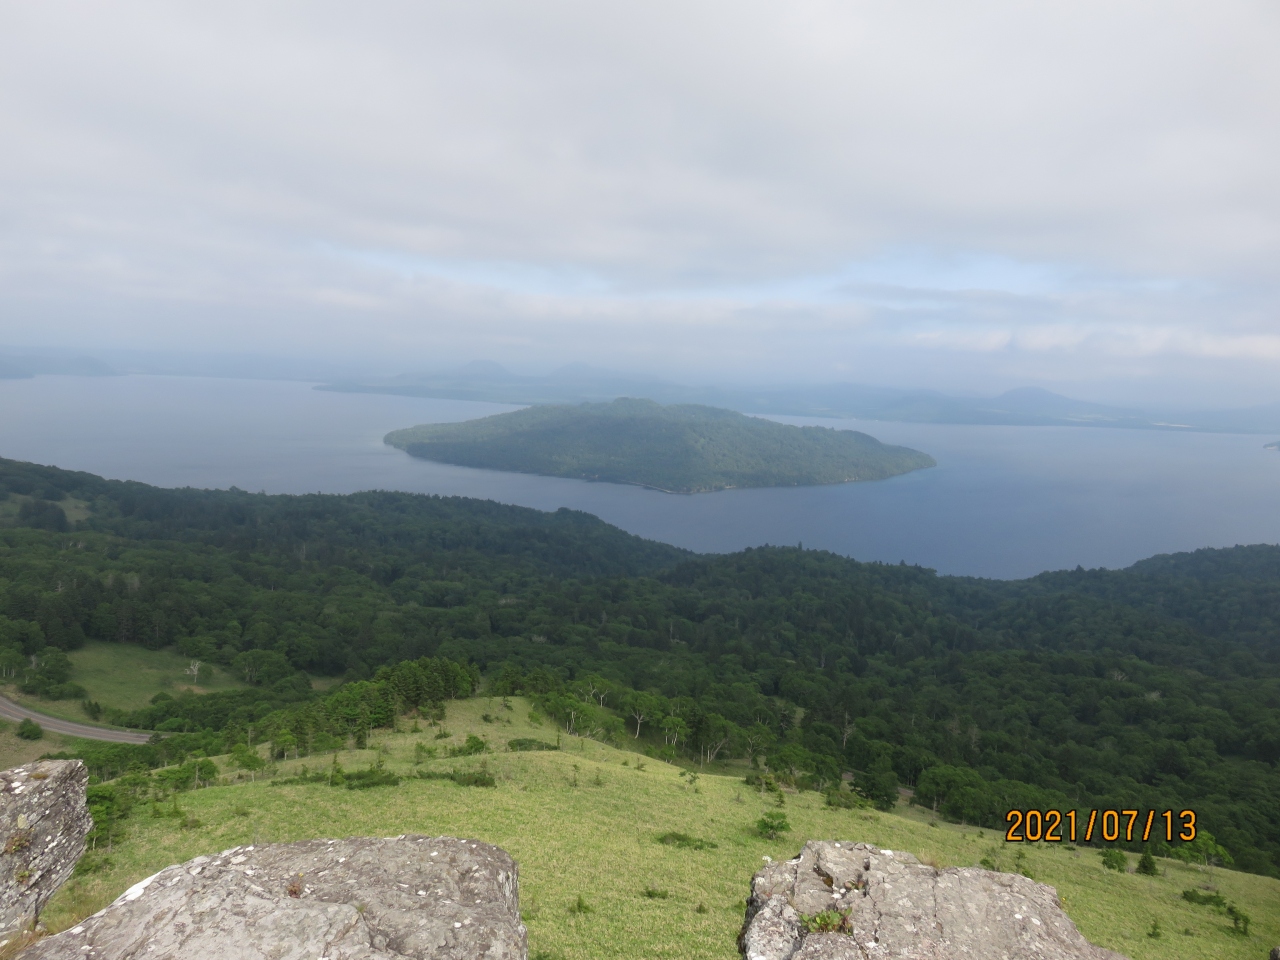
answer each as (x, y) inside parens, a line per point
(43, 825)
(362, 898)
(887, 904)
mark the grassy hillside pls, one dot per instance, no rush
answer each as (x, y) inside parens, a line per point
(14, 751)
(584, 821)
(678, 449)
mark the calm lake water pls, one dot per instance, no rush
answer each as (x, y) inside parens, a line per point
(1002, 502)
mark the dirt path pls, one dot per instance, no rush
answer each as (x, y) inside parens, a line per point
(15, 711)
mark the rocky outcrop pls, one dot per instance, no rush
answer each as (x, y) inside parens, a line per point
(43, 824)
(886, 904)
(357, 899)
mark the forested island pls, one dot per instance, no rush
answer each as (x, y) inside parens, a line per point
(1155, 687)
(684, 448)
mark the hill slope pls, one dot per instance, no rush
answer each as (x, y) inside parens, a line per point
(584, 821)
(677, 449)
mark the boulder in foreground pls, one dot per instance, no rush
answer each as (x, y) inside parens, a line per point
(885, 904)
(43, 824)
(357, 899)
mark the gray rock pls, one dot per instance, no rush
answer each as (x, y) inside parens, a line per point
(1275, 953)
(890, 905)
(43, 823)
(357, 899)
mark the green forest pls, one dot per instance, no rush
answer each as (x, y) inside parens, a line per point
(676, 449)
(1157, 686)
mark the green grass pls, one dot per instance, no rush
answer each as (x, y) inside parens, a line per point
(598, 841)
(15, 751)
(126, 676)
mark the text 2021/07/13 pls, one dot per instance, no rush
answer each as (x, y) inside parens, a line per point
(1055, 826)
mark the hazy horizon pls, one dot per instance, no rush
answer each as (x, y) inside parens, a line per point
(969, 199)
(47, 361)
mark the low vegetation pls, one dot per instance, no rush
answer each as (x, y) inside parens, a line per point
(677, 449)
(582, 823)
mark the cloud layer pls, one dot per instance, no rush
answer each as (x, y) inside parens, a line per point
(953, 193)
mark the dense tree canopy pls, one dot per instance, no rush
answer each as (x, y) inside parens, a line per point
(1156, 687)
(686, 448)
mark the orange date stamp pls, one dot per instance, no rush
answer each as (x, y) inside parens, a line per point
(1055, 826)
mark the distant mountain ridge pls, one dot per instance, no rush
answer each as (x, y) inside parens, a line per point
(676, 449)
(24, 366)
(1025, 406)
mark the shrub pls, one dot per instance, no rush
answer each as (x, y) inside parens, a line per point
(375, 776)
(522, 744)
(473, 746)
(1114, 859)
(655, 894)
(1204, 899)
(1147, 865)
(772, 824)
(845, 801)
(63, 691)
(28, 729)
(1239, 919)
(474, 778)
(480, 777)
(685, 842)
(421, 753)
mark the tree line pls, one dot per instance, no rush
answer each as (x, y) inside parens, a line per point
(1156, 686)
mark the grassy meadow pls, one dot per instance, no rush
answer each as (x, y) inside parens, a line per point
(126, 676)
(10, 504)
(583, 822)
(15, 751)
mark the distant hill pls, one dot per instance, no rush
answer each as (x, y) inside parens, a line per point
(24, 367)
(677, 449)
(1024, 407)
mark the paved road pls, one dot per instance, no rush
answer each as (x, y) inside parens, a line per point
(14, 711)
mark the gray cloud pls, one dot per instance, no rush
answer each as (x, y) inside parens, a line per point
(965, 192)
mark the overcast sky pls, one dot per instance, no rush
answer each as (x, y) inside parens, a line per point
(1083, 195)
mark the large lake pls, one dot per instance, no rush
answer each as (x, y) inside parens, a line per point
(1002, 502)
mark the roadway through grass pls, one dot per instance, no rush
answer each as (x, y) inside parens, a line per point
(584, 822)
(125, 676)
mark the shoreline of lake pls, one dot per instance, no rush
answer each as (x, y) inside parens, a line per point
(1003, 502)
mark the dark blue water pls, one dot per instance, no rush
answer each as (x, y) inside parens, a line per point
(1002, 502)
